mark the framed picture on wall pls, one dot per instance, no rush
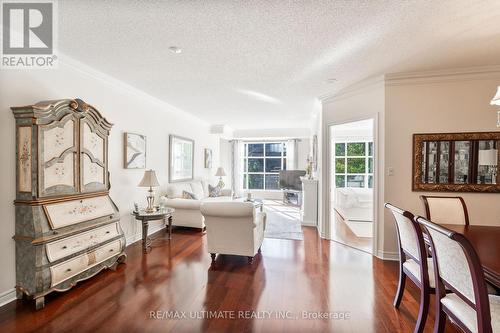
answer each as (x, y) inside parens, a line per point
(134, 151)
(181, 159)
(208, 158)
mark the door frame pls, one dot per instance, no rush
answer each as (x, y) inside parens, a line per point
(327, 223)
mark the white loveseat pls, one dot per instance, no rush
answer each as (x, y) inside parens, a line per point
(233, 228)
(187, 211)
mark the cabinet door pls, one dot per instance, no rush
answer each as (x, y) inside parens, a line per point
(58, 157)
(93, 162)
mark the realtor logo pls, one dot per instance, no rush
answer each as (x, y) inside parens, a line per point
(28, 34)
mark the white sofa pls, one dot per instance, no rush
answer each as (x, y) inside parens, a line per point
(233, 228)
(355, 204)
(187, 211)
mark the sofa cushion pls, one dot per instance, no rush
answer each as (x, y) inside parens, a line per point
(183, 203)
(175, 190)
(227, 209)
(214, 191)
(197, 189)
(188, 195)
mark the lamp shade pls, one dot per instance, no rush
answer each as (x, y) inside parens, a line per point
(220, 172)
(149, 179)
(488, 157)
(496, 99)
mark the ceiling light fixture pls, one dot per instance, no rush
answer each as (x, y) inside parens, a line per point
(332, 80)
(175, 49)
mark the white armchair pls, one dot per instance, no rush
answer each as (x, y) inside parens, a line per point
(233, 228)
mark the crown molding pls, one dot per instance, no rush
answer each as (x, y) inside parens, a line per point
(76, 65)
(352, 89)
(443, 75)
(419, 77)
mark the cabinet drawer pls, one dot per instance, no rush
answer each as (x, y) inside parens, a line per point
(67, 246)
(68, 269)
(75, 211)
(107, 251)
(63, 271)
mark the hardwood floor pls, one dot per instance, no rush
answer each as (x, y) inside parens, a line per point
(312, 275)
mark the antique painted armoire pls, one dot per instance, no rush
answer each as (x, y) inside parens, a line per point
(67, 227)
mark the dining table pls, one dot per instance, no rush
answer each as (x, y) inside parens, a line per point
(486, 242)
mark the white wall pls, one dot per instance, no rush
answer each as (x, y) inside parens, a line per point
(432, 102)
(127, 108)
(272, 133)
(450, 103)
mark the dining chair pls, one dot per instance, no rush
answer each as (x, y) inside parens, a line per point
(413, 262)
(445, 210)
(457, 268)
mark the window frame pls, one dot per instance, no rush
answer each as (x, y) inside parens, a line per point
(246, 173)
(367, 157)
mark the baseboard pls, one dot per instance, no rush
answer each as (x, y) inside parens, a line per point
(307, 223)
(138, 236)
(384, 255)
(7, 297)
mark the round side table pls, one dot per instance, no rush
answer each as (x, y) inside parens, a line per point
(164, 214)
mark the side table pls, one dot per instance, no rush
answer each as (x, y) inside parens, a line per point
(257, 203)
(164, 214)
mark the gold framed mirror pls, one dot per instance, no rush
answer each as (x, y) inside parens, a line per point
(456, 162)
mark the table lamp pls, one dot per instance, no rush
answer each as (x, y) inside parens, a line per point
(489, 159)
(496, 101)
(220, 173)
(150, 180)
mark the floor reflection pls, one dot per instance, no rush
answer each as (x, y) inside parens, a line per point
(168, 289)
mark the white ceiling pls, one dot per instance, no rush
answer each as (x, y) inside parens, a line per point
(260, 64)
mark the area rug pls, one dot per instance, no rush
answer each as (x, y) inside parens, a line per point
(283, 221)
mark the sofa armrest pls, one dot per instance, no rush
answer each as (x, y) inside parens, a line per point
(226, 192)
(179, 203)
(260, 218)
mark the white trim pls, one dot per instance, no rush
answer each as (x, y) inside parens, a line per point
(283, 159)
(352, 89)
(385, 255)
(443, 75)
(366, 157)
(401, 78)
(309, 223)
(7, 296)
(326, 220)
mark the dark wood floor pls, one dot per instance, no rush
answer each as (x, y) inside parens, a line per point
(289, 276)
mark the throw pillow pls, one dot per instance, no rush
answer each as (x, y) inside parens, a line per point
(214, 191)
(188, 195)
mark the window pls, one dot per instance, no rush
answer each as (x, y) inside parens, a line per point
(262, 163)
(353, 164)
